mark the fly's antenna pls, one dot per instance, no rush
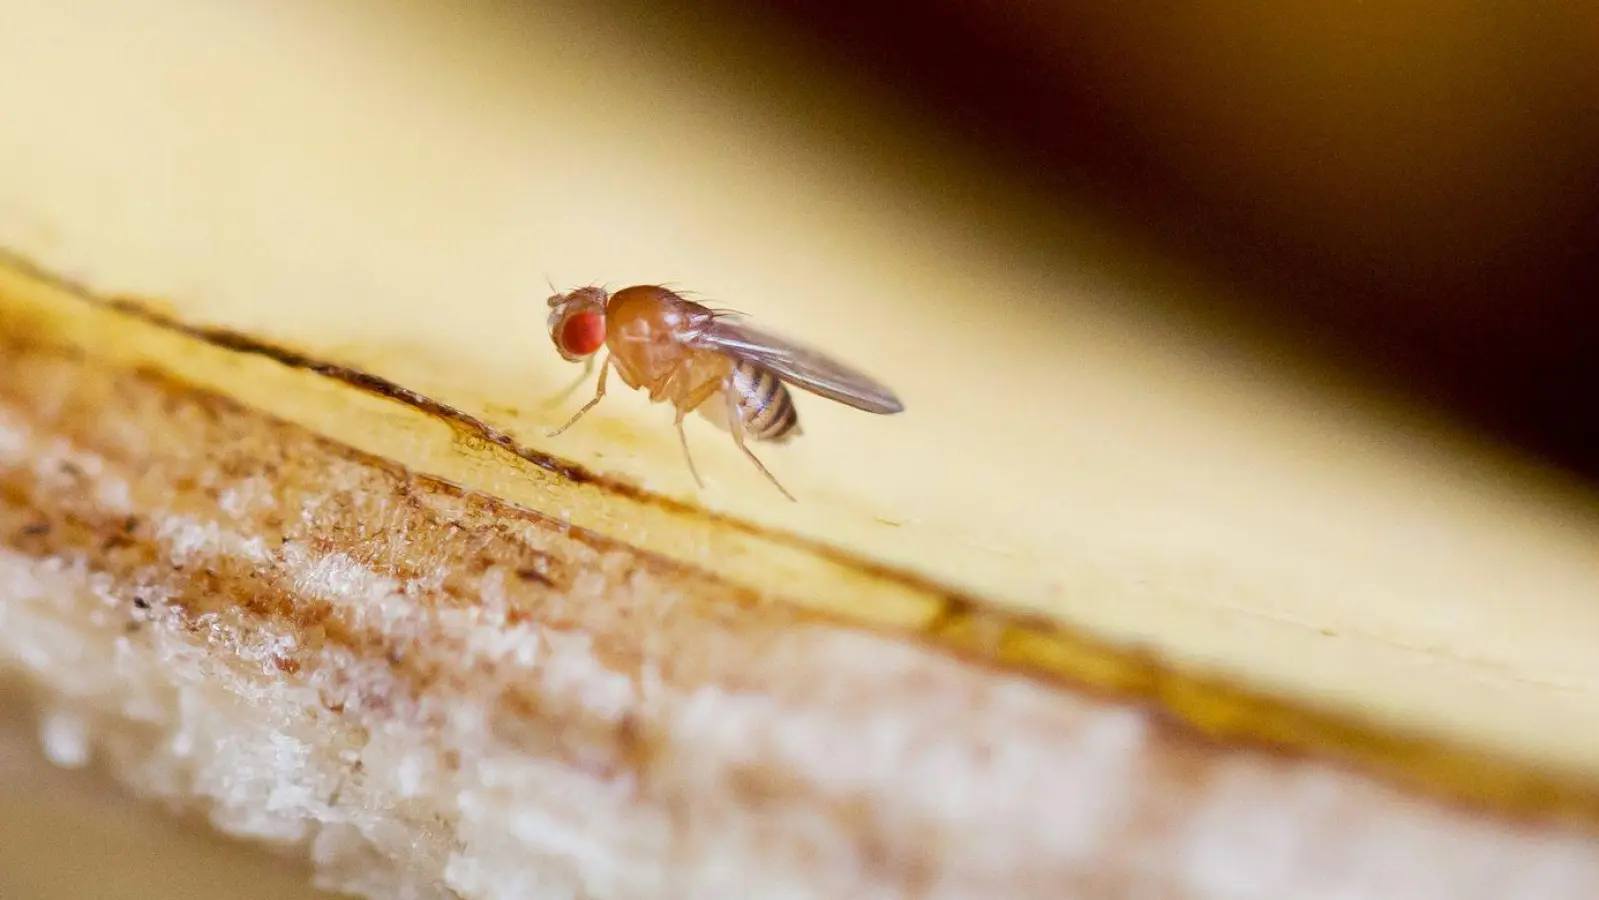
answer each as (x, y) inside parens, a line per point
(554, 291)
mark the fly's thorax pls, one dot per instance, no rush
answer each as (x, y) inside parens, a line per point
(647, 330)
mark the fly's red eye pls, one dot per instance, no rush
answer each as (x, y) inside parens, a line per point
(583, 333)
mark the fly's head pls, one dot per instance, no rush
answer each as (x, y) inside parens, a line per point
(577, 322)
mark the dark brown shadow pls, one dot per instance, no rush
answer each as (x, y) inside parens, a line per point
(1413, 185)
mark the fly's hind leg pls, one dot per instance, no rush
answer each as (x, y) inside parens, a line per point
(735, 424)
(599, 394)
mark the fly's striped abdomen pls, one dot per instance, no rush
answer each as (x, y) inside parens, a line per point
(764, 404)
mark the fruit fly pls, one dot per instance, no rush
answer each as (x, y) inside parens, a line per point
(705, 360)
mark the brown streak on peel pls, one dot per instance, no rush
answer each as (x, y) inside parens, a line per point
(1040, 648)
(473, 428)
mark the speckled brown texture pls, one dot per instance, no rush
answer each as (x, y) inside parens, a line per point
(434, 694)
(778, 566)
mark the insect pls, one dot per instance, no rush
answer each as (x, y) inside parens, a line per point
(702, 359)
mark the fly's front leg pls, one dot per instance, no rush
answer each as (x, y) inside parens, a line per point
(599, 394)
(558, 399)
(735, 424)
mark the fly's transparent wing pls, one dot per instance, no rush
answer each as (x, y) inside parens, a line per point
(797, 364)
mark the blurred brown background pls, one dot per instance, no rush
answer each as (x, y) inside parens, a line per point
(1410, 181)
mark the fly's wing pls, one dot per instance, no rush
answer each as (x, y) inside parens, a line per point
(797, 364)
